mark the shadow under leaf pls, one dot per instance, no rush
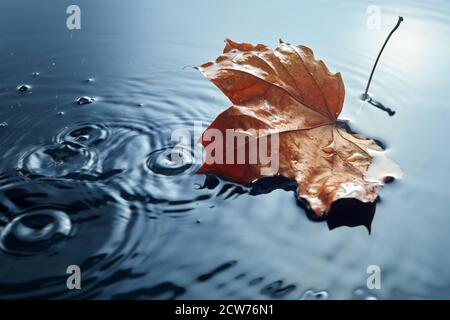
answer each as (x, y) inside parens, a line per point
(344, 212)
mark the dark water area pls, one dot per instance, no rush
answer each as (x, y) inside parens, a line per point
(88, 182)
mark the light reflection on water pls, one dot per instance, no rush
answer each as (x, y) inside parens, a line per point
(137, 233)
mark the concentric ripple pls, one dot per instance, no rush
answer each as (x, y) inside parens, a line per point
(107, 166)
(33, 232)
(57, 224)
(88, 135)
(137, 158)
(170, 161)
(73, 154)
(154, 171)
(55, 161)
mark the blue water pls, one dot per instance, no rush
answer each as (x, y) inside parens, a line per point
(90, 184)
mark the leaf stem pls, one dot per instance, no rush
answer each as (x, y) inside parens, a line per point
(365, 95)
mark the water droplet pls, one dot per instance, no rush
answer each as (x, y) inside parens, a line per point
(359, 292)
(363, 294)
(140, 105)
(35, 74)
(61, 113)
(355, 157)
(170, 161)
(314, 295)
(85, 100)
(23, 87)
(56, 160)
(87, 135)
(3, 124)
(90, 80)
(36, 231)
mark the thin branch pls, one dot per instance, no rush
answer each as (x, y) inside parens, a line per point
(364, 96)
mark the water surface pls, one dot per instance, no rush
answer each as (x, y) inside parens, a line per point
(90, 184)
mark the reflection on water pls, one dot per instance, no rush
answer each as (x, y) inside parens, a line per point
(87, 178)
(379, 105)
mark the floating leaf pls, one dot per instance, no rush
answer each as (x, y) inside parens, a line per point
(288, 99)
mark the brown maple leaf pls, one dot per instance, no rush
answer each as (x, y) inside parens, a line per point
(288, 93)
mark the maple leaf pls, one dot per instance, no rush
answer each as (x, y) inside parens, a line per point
(288, 92)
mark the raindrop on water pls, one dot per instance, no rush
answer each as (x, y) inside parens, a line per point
(35, 74)
(87, 135)
(170, 161)
(85, 100)
(57, 160)
(3, 124)
(314, 295)
(363, 294)
(23, 87)
(36, 231)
